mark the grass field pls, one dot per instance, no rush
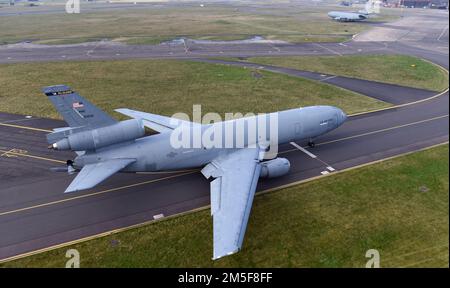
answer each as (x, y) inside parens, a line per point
(168, 86)
(395, 69)
(296, 23)
(399, 207)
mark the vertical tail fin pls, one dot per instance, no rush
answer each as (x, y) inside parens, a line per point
(76, 111)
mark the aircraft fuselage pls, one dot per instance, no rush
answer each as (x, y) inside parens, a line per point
(347, 16)
(158, 152)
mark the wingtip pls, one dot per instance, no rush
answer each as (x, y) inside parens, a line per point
(225, 254)
(70, 190)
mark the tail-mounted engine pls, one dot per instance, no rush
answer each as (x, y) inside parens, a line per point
(97, 138)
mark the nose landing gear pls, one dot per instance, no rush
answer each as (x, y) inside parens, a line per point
(311, 143)
(70, 169)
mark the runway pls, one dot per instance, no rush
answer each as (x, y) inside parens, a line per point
(35, 214)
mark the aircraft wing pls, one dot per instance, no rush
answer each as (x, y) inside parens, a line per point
(156, 122)
(232, 194)
(92, 174)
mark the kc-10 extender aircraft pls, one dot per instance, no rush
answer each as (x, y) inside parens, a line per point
(370, 8)
(105, 146)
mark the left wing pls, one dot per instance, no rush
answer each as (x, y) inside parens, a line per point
(156, 122)
(232, 194)
(92, 174)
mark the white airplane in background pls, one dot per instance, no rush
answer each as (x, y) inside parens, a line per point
(371, 7)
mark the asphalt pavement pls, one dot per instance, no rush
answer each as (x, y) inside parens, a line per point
(35, 214)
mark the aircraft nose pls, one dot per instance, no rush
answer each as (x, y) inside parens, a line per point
(342, 117)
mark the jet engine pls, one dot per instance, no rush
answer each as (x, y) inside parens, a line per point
(93, 139)
(274, 168)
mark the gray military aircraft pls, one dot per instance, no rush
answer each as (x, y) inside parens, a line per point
(105, 146)
(348, 16)
(370, 8)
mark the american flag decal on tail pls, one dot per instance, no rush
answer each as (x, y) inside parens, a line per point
(76, 111)
(77, 105)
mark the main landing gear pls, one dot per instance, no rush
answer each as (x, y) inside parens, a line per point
(311, 143)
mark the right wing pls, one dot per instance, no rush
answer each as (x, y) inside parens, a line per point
(232, 195)
(92, 174)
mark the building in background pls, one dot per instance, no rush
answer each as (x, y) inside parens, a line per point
(7, 2)
(437, 4)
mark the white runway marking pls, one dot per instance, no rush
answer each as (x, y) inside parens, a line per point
(442, 33)
(324, 172)
(330, 168)
(303, 150)
(158, 216)
(329, 49)
(274, 47)
(186, 48)
(328, 78)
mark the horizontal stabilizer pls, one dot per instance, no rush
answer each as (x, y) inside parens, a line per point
(93, 174)
(61, 133)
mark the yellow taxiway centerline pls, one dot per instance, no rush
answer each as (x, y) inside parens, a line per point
(206, 207)
(93, 194)
(194, 171)
(118, 230)
(10, 152)
(25, 127)
(373, 132)
(282, 152)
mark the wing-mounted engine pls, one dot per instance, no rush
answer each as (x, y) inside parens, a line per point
(101, 137)
(275, 168)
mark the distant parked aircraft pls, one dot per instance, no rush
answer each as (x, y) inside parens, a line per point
(371, 7)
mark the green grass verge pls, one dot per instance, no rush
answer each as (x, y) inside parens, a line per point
(395, 69)
(168, 86)
(399, 207)
(219, 22)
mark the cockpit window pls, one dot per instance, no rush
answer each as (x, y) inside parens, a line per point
(325, 122)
